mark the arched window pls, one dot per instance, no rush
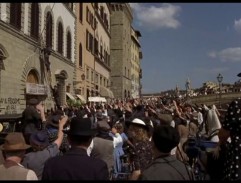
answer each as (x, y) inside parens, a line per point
(49, 30)
(32, 77)
(15, 14)
(60, 38)
(68, 45)
(35, 20)
(80, 56)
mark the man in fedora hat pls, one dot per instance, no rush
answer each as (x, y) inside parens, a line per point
(103, 139)
(76, 164)
(43, 149)
(13, 150)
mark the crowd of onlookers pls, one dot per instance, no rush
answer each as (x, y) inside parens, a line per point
(140, 138)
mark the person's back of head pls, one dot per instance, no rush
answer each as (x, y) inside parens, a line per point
(165, 138)
(80, 132)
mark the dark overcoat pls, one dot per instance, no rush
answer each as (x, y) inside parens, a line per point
(75, 165)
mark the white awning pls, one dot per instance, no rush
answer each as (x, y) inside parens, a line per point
(81, 98)
(70, 96)
(97, 99)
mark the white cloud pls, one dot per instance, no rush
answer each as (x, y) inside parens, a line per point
(154, 17)
(237, 25)
(228, 54)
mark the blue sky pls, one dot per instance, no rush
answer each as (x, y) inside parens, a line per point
(188, 40)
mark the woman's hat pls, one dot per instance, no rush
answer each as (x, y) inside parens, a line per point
(80, 127)
(144, 122)
(14, 142)
(40, 138)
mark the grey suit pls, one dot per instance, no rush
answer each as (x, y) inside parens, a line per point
(103, 149)
(165, 168)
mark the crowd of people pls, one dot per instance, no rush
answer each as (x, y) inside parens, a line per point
(97, 140)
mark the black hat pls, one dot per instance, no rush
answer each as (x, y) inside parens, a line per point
(33, 101)
(99, 115)
(81, 127)
(103, 126)
(165, 138)
(54, 120)
(239, 75)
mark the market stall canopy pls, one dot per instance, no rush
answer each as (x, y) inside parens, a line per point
(96, 99)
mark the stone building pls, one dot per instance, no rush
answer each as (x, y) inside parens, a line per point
(120, 49)
(37, 50)
(93, 53)
(136, 56)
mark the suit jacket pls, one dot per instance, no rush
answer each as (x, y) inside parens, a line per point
(75, 165)
(103, 149)
(166, 168)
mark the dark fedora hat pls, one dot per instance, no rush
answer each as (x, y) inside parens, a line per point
(40, 138)
(103, 126)
(239, 74)
(99, 115)
(80, 127)
(54, 120)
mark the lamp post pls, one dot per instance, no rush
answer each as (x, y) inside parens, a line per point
(187, 85)
(220, 79)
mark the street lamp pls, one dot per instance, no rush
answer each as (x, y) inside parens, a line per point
(220, 79)
(187, 85)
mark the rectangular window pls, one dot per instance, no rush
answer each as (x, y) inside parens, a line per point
(87, 74)
(87, 14)
(96, 45)
(92, 76)
(100, 80)
(96, 78)
(87, 39)
(81, 12)
(101, 51)
(102, 12)
(90, 43)
(105, 57)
